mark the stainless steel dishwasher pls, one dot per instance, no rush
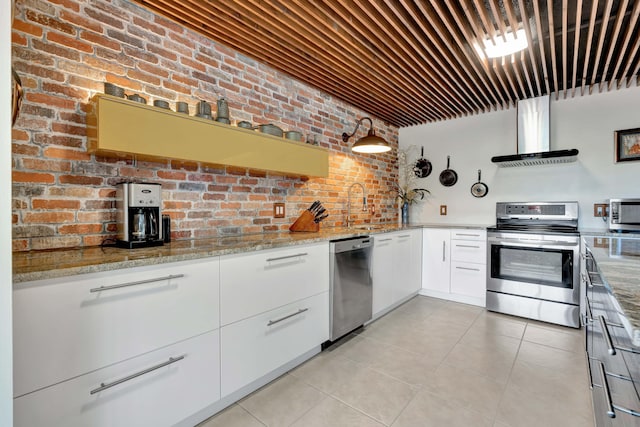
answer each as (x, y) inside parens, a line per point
(351, 285)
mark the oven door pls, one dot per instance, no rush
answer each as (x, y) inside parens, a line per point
(534, 265)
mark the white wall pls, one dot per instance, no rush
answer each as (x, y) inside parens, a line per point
(6, 371)
(586, 123)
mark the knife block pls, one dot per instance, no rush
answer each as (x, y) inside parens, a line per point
(305, 222)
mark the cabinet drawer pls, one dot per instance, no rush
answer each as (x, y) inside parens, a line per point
(254, 283)
(474, 234)
(159, 397)
(67, 327)
(469, 251)
(468, 279)
(258, 345)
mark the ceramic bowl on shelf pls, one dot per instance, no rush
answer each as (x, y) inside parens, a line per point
(161, 104)
(111, 89)
(182, 107)
(137, 98)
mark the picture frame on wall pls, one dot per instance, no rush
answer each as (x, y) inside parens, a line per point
(627, 145)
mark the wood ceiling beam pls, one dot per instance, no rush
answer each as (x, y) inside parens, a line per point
(622, 8)
(592, 24)
(576, 46)
(603, 33)
(532, 57)
(633, 21)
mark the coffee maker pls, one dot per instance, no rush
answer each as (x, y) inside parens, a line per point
(138, 216)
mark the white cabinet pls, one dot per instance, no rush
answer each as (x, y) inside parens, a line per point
(454, 265)
(129, 328)
(274, 309)
(260, 281)
(382, 272)
(258, 345)
(183, 382)
(69, 326)
(436, 263)
(396, 268)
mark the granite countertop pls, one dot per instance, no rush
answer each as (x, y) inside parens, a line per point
(618, 260)
(37, 265)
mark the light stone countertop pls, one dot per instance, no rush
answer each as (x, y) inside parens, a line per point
(36, 265)
(47, 264)
(618, 260)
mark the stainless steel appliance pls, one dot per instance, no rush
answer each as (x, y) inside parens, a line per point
(351, 299)
(533, 261)
(624, 214)
(138, 217)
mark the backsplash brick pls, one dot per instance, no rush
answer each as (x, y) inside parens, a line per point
(64, 196)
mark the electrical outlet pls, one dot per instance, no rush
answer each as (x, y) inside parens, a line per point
(278, 210)
(600, 209)
(443, 209)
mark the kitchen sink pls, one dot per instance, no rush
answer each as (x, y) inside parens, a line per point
(368, 227)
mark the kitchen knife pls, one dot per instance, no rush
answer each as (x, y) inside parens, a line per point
(320, 218)
(313, 206)
(320, 211)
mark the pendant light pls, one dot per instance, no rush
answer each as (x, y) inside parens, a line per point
(367, 144)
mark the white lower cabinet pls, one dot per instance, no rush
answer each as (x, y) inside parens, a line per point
(148, 390)
(396, 268)
(260, 344)
(454, 265)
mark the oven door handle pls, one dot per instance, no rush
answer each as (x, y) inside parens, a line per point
(542, 244)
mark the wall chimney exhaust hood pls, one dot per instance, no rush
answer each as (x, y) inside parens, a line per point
(533, 137)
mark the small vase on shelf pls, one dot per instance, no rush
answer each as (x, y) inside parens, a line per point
(405, 213)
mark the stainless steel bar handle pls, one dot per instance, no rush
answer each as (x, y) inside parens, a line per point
(405, 235)
(467, 268)
(138, 282)
(611, 349)
(607, 392)
(590, 373)
(384, 240)
(287, 257)
(465, 234)
(104, 386)
(288, 316)
(589, 314)
(444, 244)
(468, 246)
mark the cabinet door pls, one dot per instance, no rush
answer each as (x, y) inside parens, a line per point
(253, 347)
(73, 325)
(186, 379)
(382, 271)
(261, 281)
(469, 279)
(407, 265)
(435, 259)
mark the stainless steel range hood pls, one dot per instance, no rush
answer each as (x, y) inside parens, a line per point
(533, 138)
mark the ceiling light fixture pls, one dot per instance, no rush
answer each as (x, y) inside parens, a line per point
(367, 144)
(503, 45)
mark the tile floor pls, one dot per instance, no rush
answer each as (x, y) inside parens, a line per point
(431, 363)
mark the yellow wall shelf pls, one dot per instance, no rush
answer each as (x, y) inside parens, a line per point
(126, 127)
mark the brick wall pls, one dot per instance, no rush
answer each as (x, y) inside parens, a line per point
(62, 196)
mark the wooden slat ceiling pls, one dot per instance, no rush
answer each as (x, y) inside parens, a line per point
(414, 61)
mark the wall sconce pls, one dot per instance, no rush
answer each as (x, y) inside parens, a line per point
(367, 144)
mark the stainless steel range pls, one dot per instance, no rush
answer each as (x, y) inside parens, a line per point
(533, 260)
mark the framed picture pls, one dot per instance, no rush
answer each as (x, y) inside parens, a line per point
(627, 145)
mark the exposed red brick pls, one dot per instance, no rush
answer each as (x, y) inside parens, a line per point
(61, 153)
(26, 27)
(80, 228)
(147, 78)
(46, 165)
(184, 165)
(180, 176)
(69, 129)
(49, 21)
(50, 217)
(50, 100)
(70, 42)
(44, 178)
(55, 204)
(100, 40)
(80, 180)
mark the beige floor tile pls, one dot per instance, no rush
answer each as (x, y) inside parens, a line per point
(359, 349)
(333, 413)
(375, 394)
(525, 408)
(282, 402)
(326, 371)
(233, 416)
(430, 410)
(483, 341)
(492, 362)
(497, 324)
(567, 339)
(553, 358)
(466, 389)
(406, 366)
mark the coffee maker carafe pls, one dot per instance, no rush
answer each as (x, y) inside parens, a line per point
(139, 217)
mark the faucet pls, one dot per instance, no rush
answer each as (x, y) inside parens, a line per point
(364, 201)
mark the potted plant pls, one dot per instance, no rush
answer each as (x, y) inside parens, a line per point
(406, 188)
